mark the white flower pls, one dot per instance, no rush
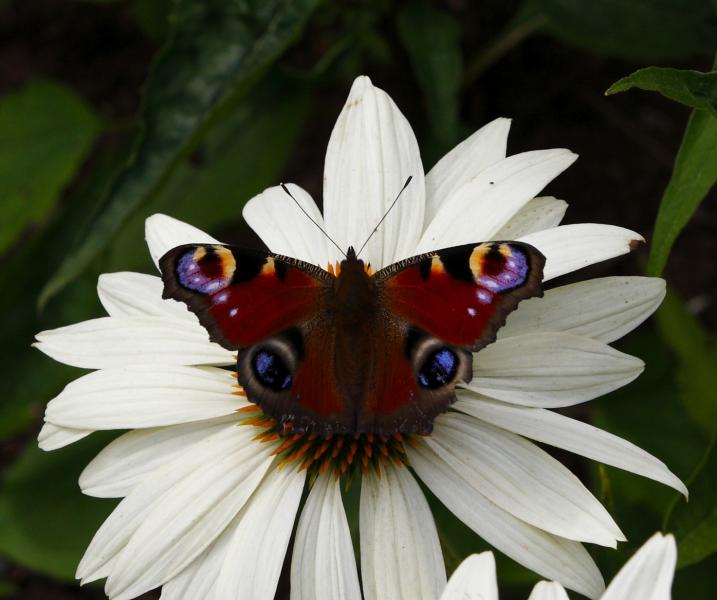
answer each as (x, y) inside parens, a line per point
(646, 576)
(207, 513)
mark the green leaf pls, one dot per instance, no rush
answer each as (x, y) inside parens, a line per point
(211, 191)
(45, 521)
(694, 523)
(431, 38)
(153, 17)
(637, 29)
(694, 174)
(216, 49)
(45, 133)
(208, 190)
(692, 88)
(30, 378)
(696, 354)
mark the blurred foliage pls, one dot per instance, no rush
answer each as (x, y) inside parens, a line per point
(214, 51)
(638, 29)
(45, 134)
(695, 170)
(226, 107)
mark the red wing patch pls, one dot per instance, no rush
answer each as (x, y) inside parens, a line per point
(242, 296)
(462, 295)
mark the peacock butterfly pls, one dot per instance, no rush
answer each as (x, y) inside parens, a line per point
(353, 351)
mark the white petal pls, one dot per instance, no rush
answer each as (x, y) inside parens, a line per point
(400, 552)
(188, 518)
(569, 434)
(52, 437)
(551, 370)
(474, 579)
(136, 294)
(603, 309)
(551, 556)
(121, 341)
(474, 154)
(126, 461)
(164, 233)
(139, 397)
(323, 566)
(548, 590)
(371, 153)
(479, 208)
(255, 555)
(156, 490)
(522, 479)
(648, 574)
(538, 214)
(199, 579)
(571, 247)
(284, 228)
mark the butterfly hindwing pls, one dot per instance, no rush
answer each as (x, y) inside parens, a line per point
(271, 310)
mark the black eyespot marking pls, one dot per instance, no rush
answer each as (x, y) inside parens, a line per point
(296, 341)
(271, 370)
(412, 338)
(457, 264)
(439, 368)
(424, 268)
(280, 270)
(248, 267)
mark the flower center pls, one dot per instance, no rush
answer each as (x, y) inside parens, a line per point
(340, 454)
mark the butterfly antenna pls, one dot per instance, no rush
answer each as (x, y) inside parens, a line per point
(375, 229)
(308, 216)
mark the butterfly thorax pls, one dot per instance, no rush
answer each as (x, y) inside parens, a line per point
(354, 291)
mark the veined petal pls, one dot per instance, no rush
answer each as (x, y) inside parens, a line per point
(548, 590)
(137, 294)
(569, 434)
(187, 519)
(126, 461)
(474, 579)
(137, 397)
(571, 247)
(479, 208)
(154, 491)
(164, 233)
(199, 578)
(550, 556)
(481, 150)
(371, 153)
(323, 566)
(284, 228)
(648, 574)
(400, 552)
(52, 437)
(246, 559)
(551, 370)
(123, 341)
(603, 309)
(255, 554)
(522, 479)
(538, 214)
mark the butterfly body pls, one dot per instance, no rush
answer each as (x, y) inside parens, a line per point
(354, 352)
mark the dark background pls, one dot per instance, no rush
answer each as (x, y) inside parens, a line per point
(450, 66)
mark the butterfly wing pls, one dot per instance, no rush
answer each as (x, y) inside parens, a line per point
(271, 310)
(445, 305)
(242, 296)
(462, 295)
